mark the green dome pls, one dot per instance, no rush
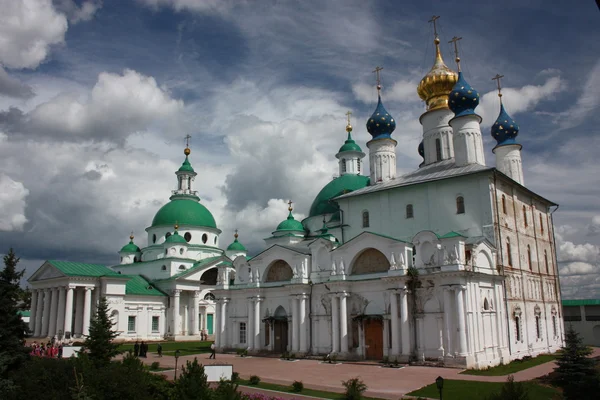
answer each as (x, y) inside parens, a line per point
(350, 145)
(337, 187)
(184, 211)
(130, 248)
(236, 246)
(290, 224)
(186, 166)
(175, 238)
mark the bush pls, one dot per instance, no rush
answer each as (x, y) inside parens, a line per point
(354, 389)
(235, 376)
(155, 365)
(511, 390)
(254, 380)
(192, 383)
(227, 390)
(292, 356)
(297, 386)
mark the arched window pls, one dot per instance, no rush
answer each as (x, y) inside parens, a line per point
(343, 165)
(541, 224)
(518, 328)
(409, 211)
(187, 236)
(554, 325)
(154, 238)
(503, 204)
(438, 149)
(365, 219)
(538, 327)
(163, 268)
(486, 304)
(167, 235)
(525, 217)
(209, 296)
(182, 266)
(529, 258)
(181, 251)
(546, 262)
(508, 252)
(204, 238)
(460, 205)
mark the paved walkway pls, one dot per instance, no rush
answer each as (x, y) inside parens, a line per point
(386, 383)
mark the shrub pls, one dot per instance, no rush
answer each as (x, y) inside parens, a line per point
(227, 390)
(297, 386)
(511, 390)
(192, 383)
(235, 376)
(242, 352)
(155, 365)
(254, 380)
(354, 389)
(292, 356)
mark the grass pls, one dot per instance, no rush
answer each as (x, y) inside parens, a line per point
(307, 392)
(473, 390)
(512, 367)
(169, 348)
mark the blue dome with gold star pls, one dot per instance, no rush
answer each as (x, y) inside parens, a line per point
(463, 98)
(505, 129)
(381, 124)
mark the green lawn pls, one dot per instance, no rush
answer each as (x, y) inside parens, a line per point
(512, 367)
(306, 392)
(169, 348)
(472, 390)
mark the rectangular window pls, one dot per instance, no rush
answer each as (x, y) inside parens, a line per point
(538, 327)
(365, 219)
(438, 150)
(518, 328)
(131, 323)
(155, 321)
(409, 211)
(242, 332)
(554, 325)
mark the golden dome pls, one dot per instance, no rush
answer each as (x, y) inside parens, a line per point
(435, 87)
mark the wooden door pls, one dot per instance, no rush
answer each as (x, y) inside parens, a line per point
(373, 339)
(280, 329)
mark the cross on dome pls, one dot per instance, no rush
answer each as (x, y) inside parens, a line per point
(457, 58)
(377, 77)
(497, 79)
(290, 206)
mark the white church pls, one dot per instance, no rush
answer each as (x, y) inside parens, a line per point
(454, 262)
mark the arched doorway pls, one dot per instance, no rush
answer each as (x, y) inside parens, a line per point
(370, 261)
(280, 330)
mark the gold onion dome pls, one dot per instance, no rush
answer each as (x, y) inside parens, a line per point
(435, 87)
(187, 151)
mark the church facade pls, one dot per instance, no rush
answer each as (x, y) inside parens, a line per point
(454, 262)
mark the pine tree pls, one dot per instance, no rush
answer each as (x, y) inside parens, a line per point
(576, 373)
(192, 383)
(12, 327)
(100, 341)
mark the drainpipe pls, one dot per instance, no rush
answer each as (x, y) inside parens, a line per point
(310, 319)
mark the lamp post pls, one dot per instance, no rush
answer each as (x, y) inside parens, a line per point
(177, 353)
(439, 382)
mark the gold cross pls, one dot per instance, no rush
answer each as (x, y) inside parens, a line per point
(187, 140)
(497, 79)
(377, 69)
(348, 114)
(433, 19)
(457, 59)
(290, 205)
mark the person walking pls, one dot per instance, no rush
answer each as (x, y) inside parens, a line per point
(212, 351)
(159, 350)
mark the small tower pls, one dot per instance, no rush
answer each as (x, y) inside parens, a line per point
(175, 245)
(235, 249)
(350, 155)
(466, 131)
(185, 173)
(130, 253)
(507, 150)
(382, 148)
(434, 89)
(289, 232)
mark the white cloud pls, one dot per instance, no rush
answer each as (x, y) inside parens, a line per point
(192, 5)
(12, 204)
(403, 91)
(587, 102)
(76, 13)
(587, 252)
(12, 87)
(28, 28)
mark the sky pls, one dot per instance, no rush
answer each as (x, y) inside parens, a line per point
(96, 97)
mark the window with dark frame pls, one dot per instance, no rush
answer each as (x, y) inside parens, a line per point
(365, 219)
(409, 211)
(460, 205)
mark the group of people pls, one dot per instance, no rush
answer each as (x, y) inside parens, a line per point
(51, 350)
(141, 349)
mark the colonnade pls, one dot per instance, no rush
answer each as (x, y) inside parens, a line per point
(254, 323)
(399, 323)
(299, 323)
(187, 319)
(61, 309)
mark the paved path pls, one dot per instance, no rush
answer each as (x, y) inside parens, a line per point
(386, 383)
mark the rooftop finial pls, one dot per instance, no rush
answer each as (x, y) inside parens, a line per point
(235, 235)
(290, 206)
(187, 150)
(348, 127)
(376, 71)
(457, 58)
(176, 226)
(497, 79)
(131, 236)
(432, 20)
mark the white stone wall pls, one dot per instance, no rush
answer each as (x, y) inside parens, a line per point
(436, 126)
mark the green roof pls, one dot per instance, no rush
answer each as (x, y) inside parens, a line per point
(451, 234)
(130, 248)
(583, 302)
(138, 285)
(290, 224)
(186, 166)
(340, 185)
(80, 269)
(184, 211)
(175, 238)
(350, 145)
(236, 246)
(25, 313)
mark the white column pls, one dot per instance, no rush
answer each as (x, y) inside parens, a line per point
(386, 338)
(440, 327)
(69, 310)
(257, 324)
(53, 312)
(344, 323)
(303, 324)
(176, 313)
(448, 321)
(46, 315)
(87, 309)
(404, 325)
(462, 326)
(295, 325)
(33, 308)
(217, 323)
(78, 312)
(223, 321)
(60, 323)
(185, 326)
(249, 324)
(38, 313)
(395, 324)
(195, 318)
(335, 325)
(420, 328)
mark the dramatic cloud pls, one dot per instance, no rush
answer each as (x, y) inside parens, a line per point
(28, 28)
(12, 204)
(402, 91)
(587, 102)
(76, 13)
(12, 87)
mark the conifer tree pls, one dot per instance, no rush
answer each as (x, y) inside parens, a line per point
(12, 327)
(100, 341)
(193, 383)
(576, 373)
